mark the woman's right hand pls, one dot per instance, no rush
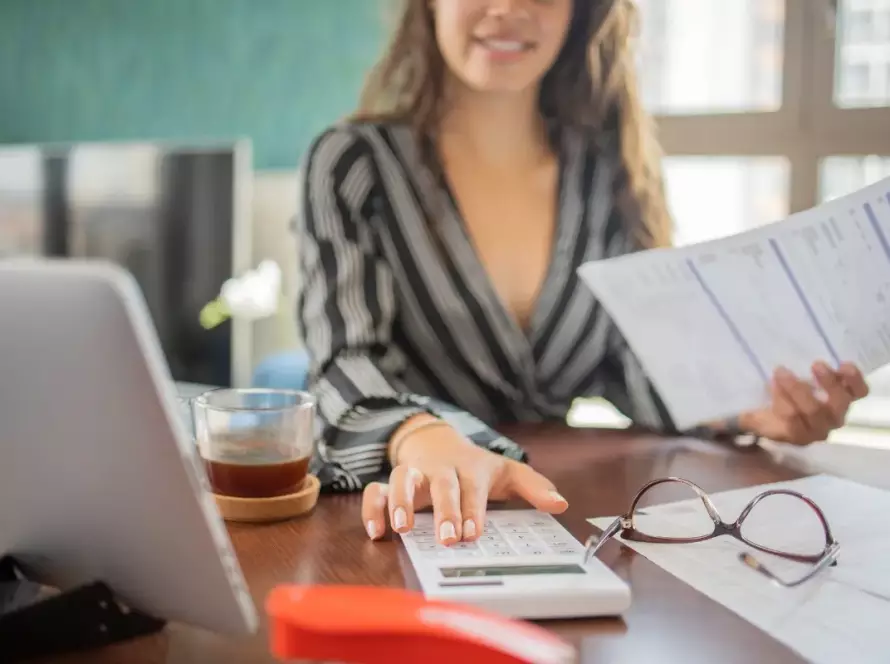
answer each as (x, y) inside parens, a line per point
(437, 466)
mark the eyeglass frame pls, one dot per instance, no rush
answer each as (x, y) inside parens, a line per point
(623, 525)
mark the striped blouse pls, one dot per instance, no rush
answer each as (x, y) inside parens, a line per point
(400, 318)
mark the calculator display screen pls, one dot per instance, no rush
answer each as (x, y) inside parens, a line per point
(509, 570)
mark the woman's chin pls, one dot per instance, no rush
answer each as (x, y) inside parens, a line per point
(501, 84)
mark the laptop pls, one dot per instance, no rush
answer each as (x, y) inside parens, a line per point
(99, 477)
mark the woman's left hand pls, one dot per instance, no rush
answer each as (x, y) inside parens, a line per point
(801, 414)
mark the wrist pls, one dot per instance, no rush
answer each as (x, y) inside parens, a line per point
(740, 430)
(401, 442)
(732, 429)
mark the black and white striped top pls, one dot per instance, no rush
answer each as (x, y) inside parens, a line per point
(400, 318)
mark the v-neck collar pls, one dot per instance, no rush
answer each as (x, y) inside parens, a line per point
(519, 340)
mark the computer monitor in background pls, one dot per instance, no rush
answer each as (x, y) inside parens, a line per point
(175, 216)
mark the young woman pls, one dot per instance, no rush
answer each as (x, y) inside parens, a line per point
(500, 144)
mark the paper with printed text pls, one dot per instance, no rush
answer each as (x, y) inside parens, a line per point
(840, 615)
(711, 322)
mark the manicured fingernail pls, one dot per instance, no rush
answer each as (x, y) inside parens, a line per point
(469, 528)
(821, 394)
(446, 531)
(821, 368)
(399, 518)
(371, 527)
(557, 497)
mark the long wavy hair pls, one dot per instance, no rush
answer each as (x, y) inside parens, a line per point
(591, 86)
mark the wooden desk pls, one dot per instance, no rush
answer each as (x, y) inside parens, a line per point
(598, 473)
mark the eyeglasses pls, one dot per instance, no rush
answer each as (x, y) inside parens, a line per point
(804, 537)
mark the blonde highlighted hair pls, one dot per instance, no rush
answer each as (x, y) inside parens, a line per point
(592, 85)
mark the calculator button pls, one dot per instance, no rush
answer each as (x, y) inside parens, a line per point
(515, 530)
(465, 545)
(427, 547)
(502, 553)
(496, 546)
(490, 538)
(541, 523)
(423, 532)
(566, 548)
(523, 538)
(438, 553)
(531, 549)
(426, 539)
(467, 553)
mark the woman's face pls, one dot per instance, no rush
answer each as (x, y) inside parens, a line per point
(501, 45)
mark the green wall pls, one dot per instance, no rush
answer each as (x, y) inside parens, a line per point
(276, 71)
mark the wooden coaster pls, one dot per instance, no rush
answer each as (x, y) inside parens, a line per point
(279, 508)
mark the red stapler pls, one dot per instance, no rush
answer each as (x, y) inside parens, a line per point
(371, 625)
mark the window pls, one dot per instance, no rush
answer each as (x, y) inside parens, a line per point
(21, 201)
(701, 56)
(749, 191)
(841, 175)
(775, 105)
(856, 25)
(862, 54)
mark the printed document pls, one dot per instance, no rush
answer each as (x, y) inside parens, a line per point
(711, 322)
(840, 615)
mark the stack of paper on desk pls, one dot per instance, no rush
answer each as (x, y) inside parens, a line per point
(840, 615)
(711, 322)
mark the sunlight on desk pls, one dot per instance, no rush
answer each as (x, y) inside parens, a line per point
(595, 413)
(868, 423)
(878, 438)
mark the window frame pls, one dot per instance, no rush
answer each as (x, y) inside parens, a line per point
(807, 126)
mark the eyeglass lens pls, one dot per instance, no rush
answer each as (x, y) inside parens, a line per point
(780, 522)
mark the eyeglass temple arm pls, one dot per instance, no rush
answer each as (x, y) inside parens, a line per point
(594, 542)
(828, 559)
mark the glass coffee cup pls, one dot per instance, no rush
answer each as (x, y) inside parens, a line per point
(255, 443)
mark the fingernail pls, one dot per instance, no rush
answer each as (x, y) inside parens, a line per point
(469, 528)
(557, 497)
(821, 368)
(446, 531)
(399, 518)
(371, 527)
(821, 394)
(783, 373)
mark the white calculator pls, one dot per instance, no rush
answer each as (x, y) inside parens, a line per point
(525, 565)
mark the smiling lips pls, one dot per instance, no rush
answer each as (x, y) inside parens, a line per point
(501, 48)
